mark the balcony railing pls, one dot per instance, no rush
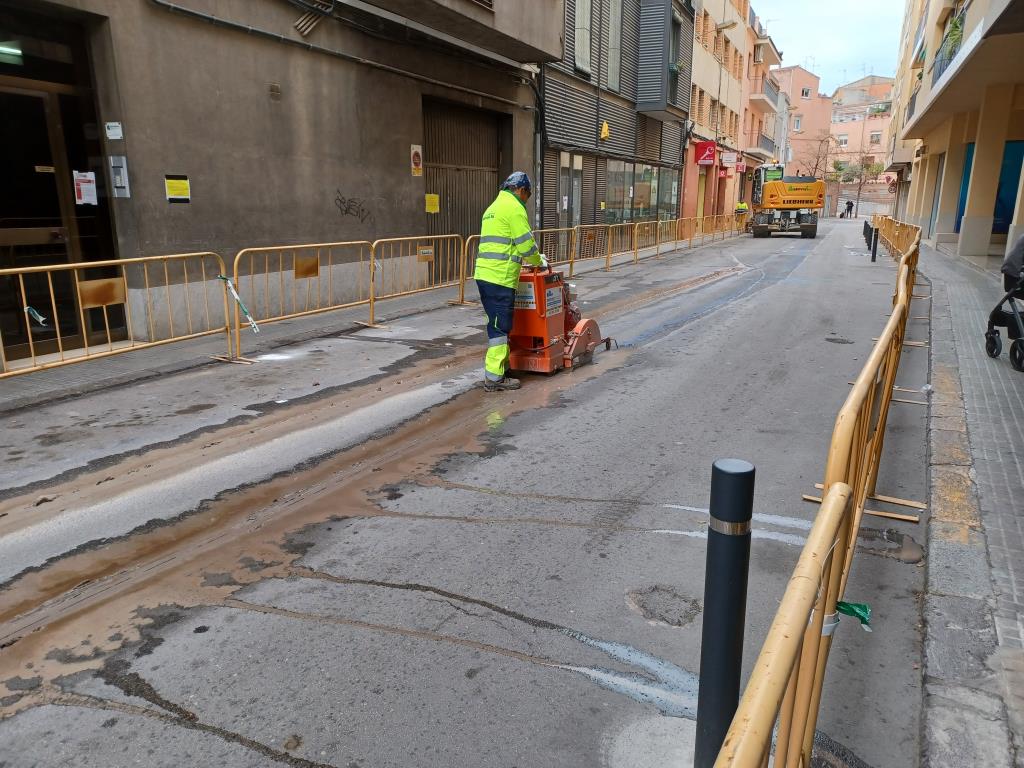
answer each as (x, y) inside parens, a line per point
(911, 106)
(767, 144)
(950, 45)
(765, 86)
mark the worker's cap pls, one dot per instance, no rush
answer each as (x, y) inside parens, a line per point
(518, 180)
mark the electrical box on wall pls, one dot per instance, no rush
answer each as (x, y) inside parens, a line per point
(119, 176)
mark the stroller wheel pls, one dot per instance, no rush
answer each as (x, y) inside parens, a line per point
(993, 344)
(1017, 354)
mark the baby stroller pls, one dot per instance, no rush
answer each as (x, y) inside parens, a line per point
(1010, 319)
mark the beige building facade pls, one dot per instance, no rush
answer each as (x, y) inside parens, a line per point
(862, 119)
(958, 144)
(734, 103)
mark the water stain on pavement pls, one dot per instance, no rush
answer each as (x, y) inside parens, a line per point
(203, 557)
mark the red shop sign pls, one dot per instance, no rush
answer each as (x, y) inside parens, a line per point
(722, 173)
(705, 152)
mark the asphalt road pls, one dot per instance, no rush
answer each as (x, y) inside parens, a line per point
(397, 569)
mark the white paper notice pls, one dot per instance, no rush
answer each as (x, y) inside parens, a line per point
(85, 188)
(114, 131)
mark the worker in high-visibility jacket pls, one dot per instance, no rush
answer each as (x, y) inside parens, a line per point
(506, 242)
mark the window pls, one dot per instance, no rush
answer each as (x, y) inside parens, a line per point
(805, 93)
(876, 137)
(798, 123)
(583, 19)
(614, 43)
(668, 193)
(843, 139)
(617, 192)
(645, 192)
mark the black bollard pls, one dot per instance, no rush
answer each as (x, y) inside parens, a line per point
(725, 605)
(874, 244)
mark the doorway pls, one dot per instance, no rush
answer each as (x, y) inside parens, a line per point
(48, 139)
(461, 160)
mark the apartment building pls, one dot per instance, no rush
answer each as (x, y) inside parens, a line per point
(958, 143)
(735, 103)
(810, 123)
(861, 120)
(614, 112)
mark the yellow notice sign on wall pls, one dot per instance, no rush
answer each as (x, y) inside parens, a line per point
(433, 203)
(178, 189)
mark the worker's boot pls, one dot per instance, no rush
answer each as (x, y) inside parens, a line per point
(503, 384)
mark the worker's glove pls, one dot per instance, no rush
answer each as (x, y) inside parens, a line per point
(543, 262)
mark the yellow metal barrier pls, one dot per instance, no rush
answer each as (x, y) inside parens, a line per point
(621, 239)
(403, 266)
(286, 281)
(668, 232)
(557, 245)
(707, 226)
(592, 242)
(82, 311)
(646, 237)
(469, 252)
(786, 684)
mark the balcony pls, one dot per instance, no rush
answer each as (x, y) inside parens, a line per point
(977, 53)
(764, 95)
(527, 31)
(911, 106)
(759, 145)
(949, 47)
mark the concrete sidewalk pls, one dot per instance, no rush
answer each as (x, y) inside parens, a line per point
(66, 381)
(974, 604)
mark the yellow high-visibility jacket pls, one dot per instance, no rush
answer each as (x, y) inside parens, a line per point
(505, 242)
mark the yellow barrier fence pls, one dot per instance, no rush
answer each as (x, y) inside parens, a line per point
(707, 227)
(469, 253)
(403, 266)
(786, 683)
(668, 232)
(87, 310)
(287, 281)
(592, 242)
(646, 237)
(132, 303)
(557, 245)
(621, 239)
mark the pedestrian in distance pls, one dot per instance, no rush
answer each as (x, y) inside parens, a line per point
(849, 209)
(505, 243)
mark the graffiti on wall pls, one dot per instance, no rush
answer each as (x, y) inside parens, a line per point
(353, 206)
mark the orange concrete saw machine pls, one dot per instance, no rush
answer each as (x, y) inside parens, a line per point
(548, 330)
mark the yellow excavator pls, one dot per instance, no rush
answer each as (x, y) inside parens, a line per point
(785, 203)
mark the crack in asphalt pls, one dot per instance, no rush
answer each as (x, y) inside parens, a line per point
(172, 715)
(463, 610)
(421, 634)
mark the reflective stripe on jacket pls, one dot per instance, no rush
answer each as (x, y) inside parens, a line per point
(505, 242)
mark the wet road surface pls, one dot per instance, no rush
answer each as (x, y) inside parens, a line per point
(437, 576)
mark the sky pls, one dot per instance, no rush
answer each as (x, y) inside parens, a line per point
(838, 41)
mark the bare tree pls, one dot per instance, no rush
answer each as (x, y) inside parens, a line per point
(815, 155)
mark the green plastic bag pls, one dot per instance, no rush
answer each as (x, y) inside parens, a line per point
(859, 611)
